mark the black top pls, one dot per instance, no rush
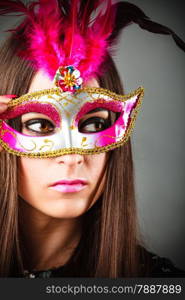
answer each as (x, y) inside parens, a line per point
(160, 267)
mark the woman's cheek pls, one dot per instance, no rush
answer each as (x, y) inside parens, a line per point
(99, 164)
(31, 175)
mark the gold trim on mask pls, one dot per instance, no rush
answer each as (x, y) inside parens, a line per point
(89, 90)
(33, 147)
(48, 143)
(122, 98)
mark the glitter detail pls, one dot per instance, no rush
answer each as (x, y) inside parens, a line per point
(89, 90)
(110, 105)
(34, 107)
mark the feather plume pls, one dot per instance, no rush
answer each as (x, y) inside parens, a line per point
(75, 32)
(61, 33)
(86, 9)
(17, 6)
(127, 13)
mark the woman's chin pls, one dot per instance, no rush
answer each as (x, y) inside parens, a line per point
(65, 208)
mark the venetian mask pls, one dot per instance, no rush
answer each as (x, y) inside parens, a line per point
(70, 122)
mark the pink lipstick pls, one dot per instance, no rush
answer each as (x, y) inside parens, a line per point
(69, 186)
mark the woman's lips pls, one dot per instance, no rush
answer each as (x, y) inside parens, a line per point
(69, 186)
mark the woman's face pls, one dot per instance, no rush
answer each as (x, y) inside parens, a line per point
(65, 186)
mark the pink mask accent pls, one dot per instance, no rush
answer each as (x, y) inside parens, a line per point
(68, 112)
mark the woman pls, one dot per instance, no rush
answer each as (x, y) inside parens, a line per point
(69, 214)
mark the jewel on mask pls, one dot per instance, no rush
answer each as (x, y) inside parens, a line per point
(68, 79)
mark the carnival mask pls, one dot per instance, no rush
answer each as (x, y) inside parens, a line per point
(71, 41)
(69, 126)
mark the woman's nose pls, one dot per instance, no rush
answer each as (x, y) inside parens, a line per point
(70, 159)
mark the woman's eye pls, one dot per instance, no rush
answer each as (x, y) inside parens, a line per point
(39, 126)
(94, 124)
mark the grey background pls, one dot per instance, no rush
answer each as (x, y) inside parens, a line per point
(155, 62)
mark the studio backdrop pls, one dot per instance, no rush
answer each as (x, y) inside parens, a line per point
(157, 64)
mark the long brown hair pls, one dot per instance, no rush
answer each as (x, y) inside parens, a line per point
(109, 246)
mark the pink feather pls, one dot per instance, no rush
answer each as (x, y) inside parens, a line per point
(84, 43)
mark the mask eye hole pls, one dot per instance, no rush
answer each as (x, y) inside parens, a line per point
(97, 120)
(15, 123)
(45, 115)
(36, 124)
(38, 127)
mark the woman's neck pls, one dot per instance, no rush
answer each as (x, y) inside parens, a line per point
(48, 242)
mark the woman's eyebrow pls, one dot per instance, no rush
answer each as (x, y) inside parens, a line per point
(95, 110)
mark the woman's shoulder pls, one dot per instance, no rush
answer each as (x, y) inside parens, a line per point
(160, 266)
